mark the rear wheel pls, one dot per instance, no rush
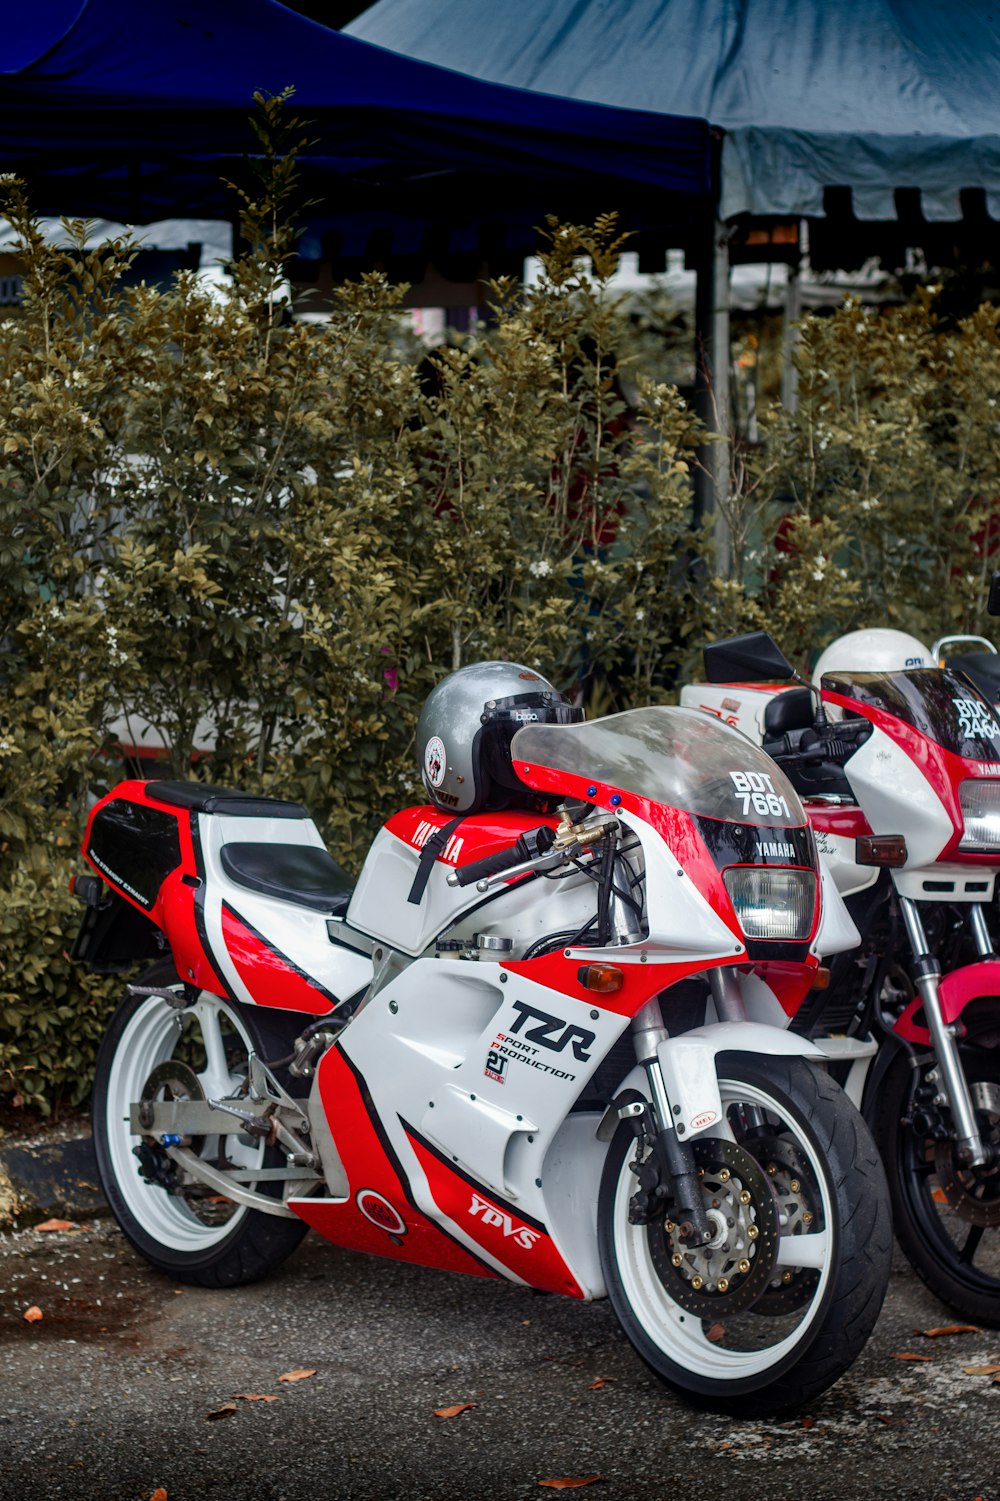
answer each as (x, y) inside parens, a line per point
(182, 1228)
(947, 1216)
(782, 1300)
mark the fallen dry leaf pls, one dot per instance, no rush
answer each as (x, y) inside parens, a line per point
(453, 1412)
(58, 1225)
(595, 1386)
(949, 1329)
(808, 1422)
(569, 1485)
(159, 1494)
(297, 1375)
(225, 1411)
(910, 1355)
(33, 1314)
(252, 1397)
(717, 1332)
(981, 1370)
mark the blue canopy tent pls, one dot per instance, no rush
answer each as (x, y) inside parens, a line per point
(136, 113)
(871, 97)
(878, 121)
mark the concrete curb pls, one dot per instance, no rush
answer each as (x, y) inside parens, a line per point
(41, 1178)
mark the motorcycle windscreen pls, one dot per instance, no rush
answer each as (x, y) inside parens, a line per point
(942, 705)
(679, 757)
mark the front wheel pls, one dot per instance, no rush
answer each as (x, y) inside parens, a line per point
(947, 1215)
(782, 1300)
(182, 1228)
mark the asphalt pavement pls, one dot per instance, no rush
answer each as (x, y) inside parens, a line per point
(130, 1387)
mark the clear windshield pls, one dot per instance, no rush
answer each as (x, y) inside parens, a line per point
(680, 757)
(942, 705)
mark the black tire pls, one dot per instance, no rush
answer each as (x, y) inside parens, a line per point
(777, 1334)
(191, 1239)
(935, 1205)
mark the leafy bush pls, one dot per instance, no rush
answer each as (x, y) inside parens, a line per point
(265, 540)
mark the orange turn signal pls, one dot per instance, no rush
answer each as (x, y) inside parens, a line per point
(880, 849)
(605, 979)
(821, 979)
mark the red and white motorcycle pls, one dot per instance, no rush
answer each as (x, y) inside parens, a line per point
(544, 1038)
(901, 768)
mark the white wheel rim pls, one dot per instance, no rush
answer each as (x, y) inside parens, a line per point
(680, 1335)
(149, 1039)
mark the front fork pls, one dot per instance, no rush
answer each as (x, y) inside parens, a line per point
(927, 975)
(669, 1152)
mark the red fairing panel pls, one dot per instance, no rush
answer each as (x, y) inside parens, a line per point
(523, 1245)
(271, 978)
(477, 836)
(175, 908)
(379, 1215)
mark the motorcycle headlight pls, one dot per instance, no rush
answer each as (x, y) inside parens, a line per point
(980, 803)
(772, 902)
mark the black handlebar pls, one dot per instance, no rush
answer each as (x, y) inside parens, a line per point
(528, 847)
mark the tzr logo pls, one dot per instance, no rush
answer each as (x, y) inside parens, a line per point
(519, 1234)
(552, 1032)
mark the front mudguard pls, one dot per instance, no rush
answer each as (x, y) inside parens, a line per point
(690, 1072)
(956, 990)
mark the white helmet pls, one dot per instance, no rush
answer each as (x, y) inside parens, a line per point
(875, 650)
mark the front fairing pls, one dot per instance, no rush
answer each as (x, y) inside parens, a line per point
(715, 800)
(932, 732)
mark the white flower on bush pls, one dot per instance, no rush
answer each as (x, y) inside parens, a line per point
(541, 569)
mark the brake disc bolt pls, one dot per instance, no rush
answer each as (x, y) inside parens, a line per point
(701, 1172)
(795, 1185)
(744, 1266)
(697, 1283)
(669, 1226)
(786, 1276)
(772, 1170)
(725, 1175)
(745, 1196)
(752, 1232)
(677, 1259)
(807, 1218)
(723, 1284)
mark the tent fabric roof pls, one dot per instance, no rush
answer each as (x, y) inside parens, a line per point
(135, 113)
(874, 95)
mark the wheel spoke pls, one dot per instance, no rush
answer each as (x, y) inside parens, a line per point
(804, 1250)
(216, 1077)
(971, 1246)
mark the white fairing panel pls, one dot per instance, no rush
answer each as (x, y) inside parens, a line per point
(836, 932)
(898, 798)
(294, 930)
(739, 706)
(486, 1065)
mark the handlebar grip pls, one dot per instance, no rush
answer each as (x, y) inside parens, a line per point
(528, 847)
(493, 865)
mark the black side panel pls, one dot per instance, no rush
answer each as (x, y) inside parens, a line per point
(135, 848)
(113, 936)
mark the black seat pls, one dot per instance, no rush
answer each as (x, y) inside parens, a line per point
(205, 798)
(791, 710)
(300, 873)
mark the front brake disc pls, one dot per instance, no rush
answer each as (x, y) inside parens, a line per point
(731, 1271)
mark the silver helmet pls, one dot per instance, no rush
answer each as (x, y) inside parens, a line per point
(465, 729)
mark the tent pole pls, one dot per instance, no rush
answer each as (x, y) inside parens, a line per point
(714, 359)
(790, 338)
